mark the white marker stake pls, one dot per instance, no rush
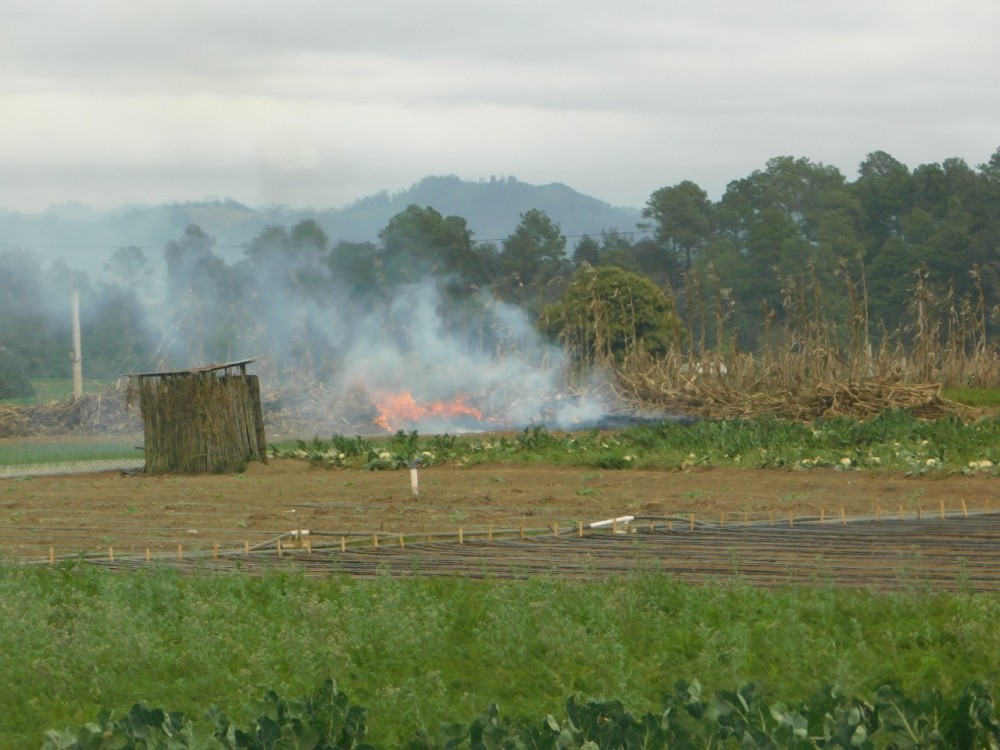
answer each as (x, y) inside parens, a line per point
(414, 482)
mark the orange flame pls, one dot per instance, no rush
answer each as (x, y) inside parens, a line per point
(395, 409)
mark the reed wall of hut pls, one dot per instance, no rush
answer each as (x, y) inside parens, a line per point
(201, 422)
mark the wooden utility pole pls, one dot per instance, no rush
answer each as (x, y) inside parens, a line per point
(77, 353)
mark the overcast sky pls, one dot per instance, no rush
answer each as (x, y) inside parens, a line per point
(318, 103)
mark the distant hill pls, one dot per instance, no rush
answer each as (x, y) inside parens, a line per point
(84, 237)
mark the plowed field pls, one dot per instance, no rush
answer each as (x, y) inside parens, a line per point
(109, 513)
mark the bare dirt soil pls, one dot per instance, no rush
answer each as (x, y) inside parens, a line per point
(90, 513)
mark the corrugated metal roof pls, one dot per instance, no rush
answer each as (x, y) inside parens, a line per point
(197, 370)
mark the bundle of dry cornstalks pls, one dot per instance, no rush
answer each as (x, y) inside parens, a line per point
(745, 390)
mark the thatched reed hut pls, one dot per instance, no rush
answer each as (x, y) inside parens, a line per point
(199, 421)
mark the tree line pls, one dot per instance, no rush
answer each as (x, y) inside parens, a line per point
(703, 274)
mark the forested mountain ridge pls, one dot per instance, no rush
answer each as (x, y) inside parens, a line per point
(795, 255)
(84, 237)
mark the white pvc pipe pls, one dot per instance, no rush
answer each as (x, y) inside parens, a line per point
(611, 522)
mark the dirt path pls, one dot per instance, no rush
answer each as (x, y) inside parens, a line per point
(88, 513)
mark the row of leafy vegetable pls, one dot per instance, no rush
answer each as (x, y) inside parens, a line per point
(744, 718)
(895, 440)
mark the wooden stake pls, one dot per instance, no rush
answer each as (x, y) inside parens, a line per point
(52, 555)
(343, 544)
(111, 554)
(215, 551)
(770, 517)
(670, 524)
(489, 534)
(579, 529)
(920, 513)
(246, 547)
(614, 526)
(878, 513)
(843, 516)
(822, 515)
(900, 512)
(650, 525)
(277, 543)
(148, 556)
(309, 545)
(965, 509)
(520, 527)
(402, 542)
(791, 518)
(746, 518)
(461, 536)
(375, 540)
(555, 528)
(692, 522)
(942, 509)
(180, 552)
(722, 518)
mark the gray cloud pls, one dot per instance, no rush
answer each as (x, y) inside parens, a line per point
(318, 103)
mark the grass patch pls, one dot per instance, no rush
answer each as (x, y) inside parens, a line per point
(976, 397)
(419, 652)
(61, 450)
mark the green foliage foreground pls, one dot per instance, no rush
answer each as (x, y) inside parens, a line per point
(423, 653)
(328, 719)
